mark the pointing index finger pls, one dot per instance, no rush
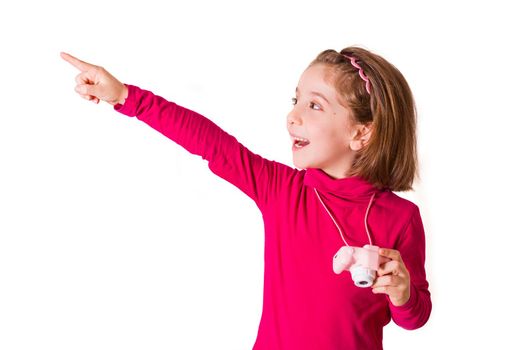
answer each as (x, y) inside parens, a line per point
(81, 65)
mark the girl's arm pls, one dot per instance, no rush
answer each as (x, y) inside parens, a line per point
(416, 311)
(254, 175)
(227, 158)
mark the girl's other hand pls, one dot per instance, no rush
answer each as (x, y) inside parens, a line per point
(393, 278)
(94, 83)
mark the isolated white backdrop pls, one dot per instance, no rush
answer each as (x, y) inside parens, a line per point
(114, 237)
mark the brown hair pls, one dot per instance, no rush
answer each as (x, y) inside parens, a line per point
(389, 160)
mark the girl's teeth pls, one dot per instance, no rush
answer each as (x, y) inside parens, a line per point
(300, 143)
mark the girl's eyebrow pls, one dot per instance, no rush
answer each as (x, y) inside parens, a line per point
(315, 93)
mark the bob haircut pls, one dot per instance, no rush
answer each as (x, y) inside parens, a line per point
(389, 159)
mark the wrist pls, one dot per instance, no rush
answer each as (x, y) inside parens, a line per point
(406, 302)
(403, 298)
(123, 95)
(400, 302)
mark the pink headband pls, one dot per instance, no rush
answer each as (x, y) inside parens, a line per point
(361, 73)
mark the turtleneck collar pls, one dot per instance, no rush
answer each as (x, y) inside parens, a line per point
(353, 188)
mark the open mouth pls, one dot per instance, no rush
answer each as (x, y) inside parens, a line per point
(299, 142)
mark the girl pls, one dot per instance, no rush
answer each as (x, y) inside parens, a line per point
(353, 133)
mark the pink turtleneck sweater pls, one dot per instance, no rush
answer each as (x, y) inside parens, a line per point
(306, 305)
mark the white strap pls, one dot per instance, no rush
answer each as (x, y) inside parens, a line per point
(366, 218)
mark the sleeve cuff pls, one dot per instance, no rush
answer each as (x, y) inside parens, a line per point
(128, 108)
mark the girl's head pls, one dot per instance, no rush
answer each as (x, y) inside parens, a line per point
(352, 132)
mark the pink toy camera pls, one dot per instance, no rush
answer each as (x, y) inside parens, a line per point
(362, 263)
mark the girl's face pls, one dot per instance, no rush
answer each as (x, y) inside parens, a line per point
(332, 137)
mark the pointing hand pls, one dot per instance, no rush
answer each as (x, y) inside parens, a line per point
(94, 83)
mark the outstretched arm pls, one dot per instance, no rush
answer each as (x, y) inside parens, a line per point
(254, 175)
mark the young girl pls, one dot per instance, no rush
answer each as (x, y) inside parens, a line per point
(353, 133)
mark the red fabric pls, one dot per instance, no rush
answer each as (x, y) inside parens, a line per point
(306, 305)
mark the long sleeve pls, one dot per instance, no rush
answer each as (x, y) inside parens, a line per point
(416, 311)
(227, 158)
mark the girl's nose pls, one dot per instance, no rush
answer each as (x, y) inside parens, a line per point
(293, 118)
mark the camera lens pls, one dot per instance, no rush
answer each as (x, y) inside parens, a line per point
(362, 276)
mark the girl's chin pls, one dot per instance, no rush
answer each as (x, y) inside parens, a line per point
(300, 165)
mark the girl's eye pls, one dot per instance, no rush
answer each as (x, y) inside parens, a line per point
(315, 105)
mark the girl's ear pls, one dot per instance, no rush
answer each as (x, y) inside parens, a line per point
(360, 136)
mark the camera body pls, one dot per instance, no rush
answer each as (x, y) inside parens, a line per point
(362, 263)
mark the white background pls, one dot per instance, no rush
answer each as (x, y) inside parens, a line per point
(114, 237)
